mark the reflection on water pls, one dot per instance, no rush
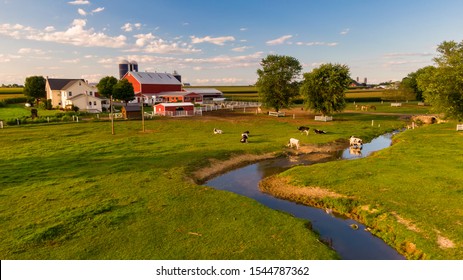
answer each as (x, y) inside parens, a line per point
(350, 243)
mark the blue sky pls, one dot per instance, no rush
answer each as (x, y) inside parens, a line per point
(221, 42)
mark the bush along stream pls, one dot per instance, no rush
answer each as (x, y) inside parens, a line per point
(350, 239)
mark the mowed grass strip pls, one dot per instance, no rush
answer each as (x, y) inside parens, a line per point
(409, 194)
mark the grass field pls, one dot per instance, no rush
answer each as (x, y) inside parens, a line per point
(409, 194)
(74, 191)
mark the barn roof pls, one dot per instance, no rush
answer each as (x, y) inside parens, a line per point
(59, 84)
(176, 93)
(153, 78)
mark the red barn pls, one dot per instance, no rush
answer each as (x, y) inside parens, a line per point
(179, 109)
(152, 83)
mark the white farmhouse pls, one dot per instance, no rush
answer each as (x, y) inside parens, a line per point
(65, 93)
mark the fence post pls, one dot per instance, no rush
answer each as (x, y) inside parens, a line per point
(48, 119)
(1, 124)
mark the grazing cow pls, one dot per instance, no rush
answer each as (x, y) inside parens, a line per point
(319, 131)
(364, 108)
(246, 132)
(304, 129)
(355, 142)
(293, 142)
(244, 138)
(373, 107)
(217, 131)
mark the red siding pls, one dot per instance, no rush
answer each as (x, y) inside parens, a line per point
(151, 88)
(160, 88)
(136, 85)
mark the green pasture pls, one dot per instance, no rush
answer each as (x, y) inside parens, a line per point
(74, 191)
(410, 194)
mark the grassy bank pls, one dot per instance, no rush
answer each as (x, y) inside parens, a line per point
(410, 194)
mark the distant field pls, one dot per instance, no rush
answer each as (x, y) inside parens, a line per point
(6, 93)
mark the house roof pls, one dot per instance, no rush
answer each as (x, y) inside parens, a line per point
(153, 78)
(132, 108)
(59, 84)
(175, 104)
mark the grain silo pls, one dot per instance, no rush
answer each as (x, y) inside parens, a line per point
(124, 66)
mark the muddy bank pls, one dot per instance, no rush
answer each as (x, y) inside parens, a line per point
(316, 152)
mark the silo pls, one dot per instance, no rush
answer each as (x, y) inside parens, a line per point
(177, 76)
(133, 66)
(123, 68)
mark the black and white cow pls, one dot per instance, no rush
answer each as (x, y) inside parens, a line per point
(304, 129)
(244, 138)
(317, 131)
(355, 142)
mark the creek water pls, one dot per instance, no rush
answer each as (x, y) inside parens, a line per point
(349, 243)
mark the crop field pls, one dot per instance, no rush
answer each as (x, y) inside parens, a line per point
(6, 93)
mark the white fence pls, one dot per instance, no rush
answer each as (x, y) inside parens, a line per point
(196, 112)
(323, 118)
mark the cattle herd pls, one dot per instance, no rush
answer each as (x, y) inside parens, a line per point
(354, 142)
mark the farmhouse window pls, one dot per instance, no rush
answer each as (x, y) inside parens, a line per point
(90, 103)
(94, 103)
(70, 93)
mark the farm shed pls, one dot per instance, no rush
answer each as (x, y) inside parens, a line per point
(131, 112)
(206, 93)
(180, 109)
(181, 96)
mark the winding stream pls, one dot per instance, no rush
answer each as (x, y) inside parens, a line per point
(349, 243)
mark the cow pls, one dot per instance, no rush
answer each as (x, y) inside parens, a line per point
(246, 132)
(317, 131)
(244, 138)
(355, 142)
(304, 129)
(293, 142)
(217, 131)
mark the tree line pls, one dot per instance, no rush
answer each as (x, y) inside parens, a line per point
(323, 89)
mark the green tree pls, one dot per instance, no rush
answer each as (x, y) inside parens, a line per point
(34, 88)
(123, 90)
(277, 82)
(443, 85)
(401, 92)
(105, 86)
(324, 88)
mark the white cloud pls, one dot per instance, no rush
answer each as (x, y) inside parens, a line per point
(82, 12)
(71, 61)
(408, 54)
(49, 29)
(243, 29)
(332, 44)
(79, 2)
(208, 39)
(128, 27)
(97, 10)
(143, 39)
(149, 43)
(31, 51)
(279, 41)
(345, 31)
(240, 49)
(76, 35)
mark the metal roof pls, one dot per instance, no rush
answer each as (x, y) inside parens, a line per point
(153, 78)
(59, 84)
(175, 104)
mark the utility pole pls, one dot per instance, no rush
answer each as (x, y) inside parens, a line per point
(112, 115)
(142, 113)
